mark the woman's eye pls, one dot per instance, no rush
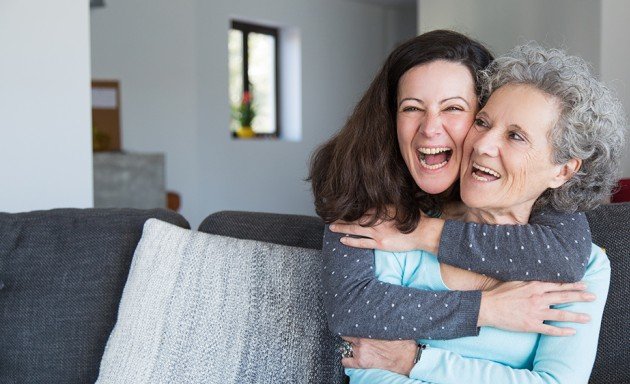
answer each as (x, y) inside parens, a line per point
(454, 108)
(516, 136)
(410, 109)
(480, 123)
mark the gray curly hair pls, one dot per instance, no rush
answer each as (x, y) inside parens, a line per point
(590, 127)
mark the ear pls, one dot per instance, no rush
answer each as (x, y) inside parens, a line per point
(565, 172)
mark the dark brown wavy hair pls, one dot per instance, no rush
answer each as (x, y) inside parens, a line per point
(361, 168)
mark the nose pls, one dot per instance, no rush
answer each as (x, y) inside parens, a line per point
(487, 143)
(432, 125)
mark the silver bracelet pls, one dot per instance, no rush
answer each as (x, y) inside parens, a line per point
(421, 347)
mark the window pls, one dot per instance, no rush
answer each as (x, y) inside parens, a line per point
(253, 69)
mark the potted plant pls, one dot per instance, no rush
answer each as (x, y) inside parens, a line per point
(244, 114)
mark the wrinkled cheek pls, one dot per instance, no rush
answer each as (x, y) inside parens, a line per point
(520, 182)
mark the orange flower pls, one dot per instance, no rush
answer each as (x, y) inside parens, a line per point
(246, 97)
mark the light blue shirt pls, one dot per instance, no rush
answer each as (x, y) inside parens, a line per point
(494, 355)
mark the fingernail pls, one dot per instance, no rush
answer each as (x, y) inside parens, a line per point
(586, 318)
(333, 227)
(581, 286)
(343, 240)
(590, 297)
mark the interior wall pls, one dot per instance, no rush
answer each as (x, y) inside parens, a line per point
(171, 60)
(45, 116)
(150, 47)
(401, 24)
(574, 25)
(615, 54)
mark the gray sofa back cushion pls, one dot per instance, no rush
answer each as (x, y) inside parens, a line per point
(63, 273)
(610, 228)
(292, 230)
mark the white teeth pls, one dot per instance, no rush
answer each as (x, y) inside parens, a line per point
(434, 166)
(474, 175)
(432, 151)
(486, 170)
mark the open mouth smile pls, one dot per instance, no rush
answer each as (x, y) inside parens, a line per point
(482, 173)
(434, 158)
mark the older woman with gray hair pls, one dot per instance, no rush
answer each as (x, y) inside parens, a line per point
(550, 135)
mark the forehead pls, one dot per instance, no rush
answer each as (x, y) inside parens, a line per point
(438, 78)
(523, 105)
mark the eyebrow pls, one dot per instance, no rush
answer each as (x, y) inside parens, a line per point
(484, 114)
(456, 97)
(441, 101)
(410, 98)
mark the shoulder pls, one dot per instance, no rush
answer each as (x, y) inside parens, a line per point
(551, 216)
(598, 264)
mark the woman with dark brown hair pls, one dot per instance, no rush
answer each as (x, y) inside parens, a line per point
(397, 157)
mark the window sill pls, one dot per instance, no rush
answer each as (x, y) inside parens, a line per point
(258, 136)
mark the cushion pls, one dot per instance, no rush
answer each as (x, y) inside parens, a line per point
(200, 308)
(63, 273)
(292, 230)
(610, 225)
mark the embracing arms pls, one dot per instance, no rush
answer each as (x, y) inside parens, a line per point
(554, 246)
(355, 285)
(353, 296)
(560, 241)
(555, 360)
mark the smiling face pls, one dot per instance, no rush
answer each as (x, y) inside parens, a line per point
(507, 154)
(436, 107)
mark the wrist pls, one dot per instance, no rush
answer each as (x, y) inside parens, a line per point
(417, 356)
(406, 364)
(483, 319)
(429, 233)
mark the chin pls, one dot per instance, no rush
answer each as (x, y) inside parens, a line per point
(470, 202)
(469, 197)
(434, 186)
(433, 189)
(437, 181)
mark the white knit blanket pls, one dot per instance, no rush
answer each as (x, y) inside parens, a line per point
(201, 308)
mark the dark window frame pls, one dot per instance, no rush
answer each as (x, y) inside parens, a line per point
(246, 28)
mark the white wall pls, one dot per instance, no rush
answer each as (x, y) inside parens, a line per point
(150, 47)
(501, 24)
(171, 59)
(615, 55)
(45, 116)
(401, 24)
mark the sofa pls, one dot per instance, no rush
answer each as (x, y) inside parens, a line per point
(68, 309)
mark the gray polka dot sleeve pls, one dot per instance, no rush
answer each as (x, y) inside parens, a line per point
(554, 246)
(358, 304)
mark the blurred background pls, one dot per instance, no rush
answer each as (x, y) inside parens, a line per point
(149, 103)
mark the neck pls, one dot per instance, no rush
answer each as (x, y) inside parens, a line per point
(514, 215)
(497, 217)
